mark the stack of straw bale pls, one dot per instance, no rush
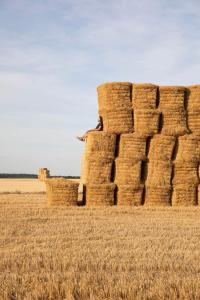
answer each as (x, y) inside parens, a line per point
(146, 116)
(115, 107)
(44, 173)
(193, 98)
(61, 191)
(172, 106)
(100, 194)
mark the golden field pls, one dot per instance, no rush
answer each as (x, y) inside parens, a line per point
(97, 253)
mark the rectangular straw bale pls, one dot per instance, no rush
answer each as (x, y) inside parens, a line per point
(101, 144)
(172, 98)
(188, 148)
(159, 173)
(193, 97)
(184, 195)
(128, 171)
(194, 121)
(61, 191)
(115, 95)
(100, 194)
(185, 173)
(129, 195)
(144, 96)
(132, 146)
(99, 170)
(174, 122)
(158, 196)
(161, 147)
(146, 121)
(118, 121)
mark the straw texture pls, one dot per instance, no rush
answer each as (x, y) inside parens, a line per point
(100, 194)
(144, 96)
(161, 147)
(129, 195)
(185, 173)
(128, 172)
(146, 121)
(185, 195)
(118, 120)
(158, 196)
(193, 97)
(172, 98)
(159, 174)
(188, 148)
(194, 121)
(99, 170)
(132, 146)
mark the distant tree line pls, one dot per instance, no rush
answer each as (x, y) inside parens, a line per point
(5, 175)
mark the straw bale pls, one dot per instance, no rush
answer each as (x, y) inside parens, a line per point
(99, 170)
(158, 196)
(144, 96)
(129, 195)
(194, 121)
(185, 173)
(132, 146)
(161, 147)
(100, 194)
(184, 195)
(101, 144)
(115, 95)
(159, 174)
(198, 194)
(146, 121)
(84, 169)
(172, 98)
(193, 96)
(128, 171)
(61, 191)
(174, 122)
(118, 121)
(188, 149)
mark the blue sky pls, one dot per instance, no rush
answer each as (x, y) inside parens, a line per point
(53, 54)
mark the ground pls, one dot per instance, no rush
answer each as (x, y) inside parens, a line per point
(93, 253)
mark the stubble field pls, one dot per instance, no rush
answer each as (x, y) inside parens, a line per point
(96, 253)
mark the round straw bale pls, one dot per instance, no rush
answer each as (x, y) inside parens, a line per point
(158, 196)
(144, 96)
(185, 173)
(100, 194)
(184, 195)
(161, 147)
(129, 195)
(172, 98)
(61, 191)
(118, 121)
(188, 148)
(174, 123)
(159, 174)
(128, 171)
(132, 146)
(146, 121)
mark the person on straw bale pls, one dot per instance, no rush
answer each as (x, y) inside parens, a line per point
(99, 127)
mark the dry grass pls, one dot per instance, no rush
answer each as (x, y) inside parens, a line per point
(21, 186)
(109, 253)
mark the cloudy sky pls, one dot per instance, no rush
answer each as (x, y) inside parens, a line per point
(53, 54)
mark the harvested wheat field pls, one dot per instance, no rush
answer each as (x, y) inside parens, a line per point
(97, 253)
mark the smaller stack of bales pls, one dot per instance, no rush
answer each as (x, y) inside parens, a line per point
(172, 106)
(193, 99)
(44, 173)
(186, 179)
(146, 115)
(98, 164)
(115, 107)
(132, 151)
(158, 183)
(61, 191)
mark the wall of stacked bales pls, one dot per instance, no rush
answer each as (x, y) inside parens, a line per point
(149, 150)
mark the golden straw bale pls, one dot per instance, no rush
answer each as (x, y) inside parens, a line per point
(118, 121)
(84, 169)
(128, 171)
(194, 121)
(100, 194)
(159, 173)
(184, 195)
(99, 170)
(185, 173)
(172, 98)
(198, 195)
(132, 146)
(161, 147)
(129, 195)
(158, 196)
(144, 96)
(193, 96)
(188, 148)
(61, 191)
(174, 122)
(115, 95)
(101, 144)
(146, 121)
